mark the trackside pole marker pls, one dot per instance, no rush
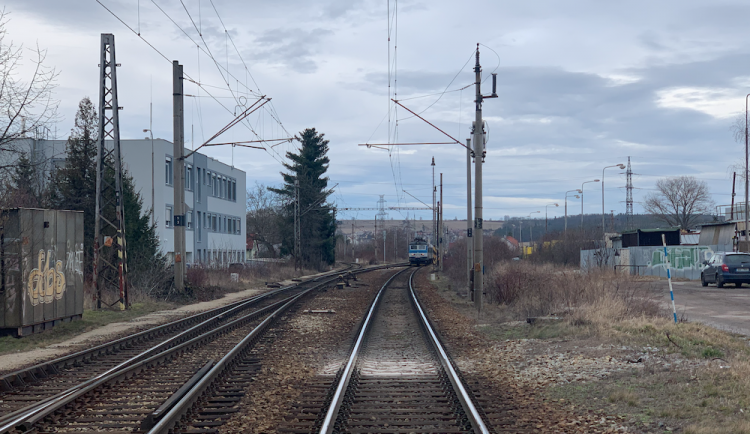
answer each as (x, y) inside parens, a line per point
(669, 276)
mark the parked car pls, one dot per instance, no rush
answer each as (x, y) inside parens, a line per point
(726, 268)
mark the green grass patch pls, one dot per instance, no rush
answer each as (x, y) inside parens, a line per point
(91, 319)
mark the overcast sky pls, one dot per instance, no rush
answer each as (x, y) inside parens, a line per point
(582, 85)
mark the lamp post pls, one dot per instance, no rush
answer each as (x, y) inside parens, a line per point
(531, 234)
(621, 166)
(584, 183)
(566, 206)
(545, 215)
(148, 130)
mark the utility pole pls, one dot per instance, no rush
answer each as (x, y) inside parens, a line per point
(469, 244)
(297, 235)
(434, 208)
(179, 177)
(352, 241)
(479, 155)
(384, 230)
(442, 224)
(375, 237)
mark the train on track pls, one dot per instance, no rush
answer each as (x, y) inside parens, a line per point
(420, 252)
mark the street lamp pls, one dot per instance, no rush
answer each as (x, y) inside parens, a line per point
(545, 215)
(621, 166)
(586, 182)
(531, 234)
(566, 206)
(148, 130)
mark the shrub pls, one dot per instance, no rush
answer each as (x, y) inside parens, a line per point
(585, 298)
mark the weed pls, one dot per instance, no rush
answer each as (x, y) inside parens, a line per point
(711, 353)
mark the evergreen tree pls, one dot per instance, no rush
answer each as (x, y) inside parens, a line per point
(74, 187)
(317, 221)
(20, 192)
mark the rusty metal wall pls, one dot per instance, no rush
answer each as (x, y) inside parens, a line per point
(41, 266)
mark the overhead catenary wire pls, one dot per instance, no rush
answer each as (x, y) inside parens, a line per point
(273, 153)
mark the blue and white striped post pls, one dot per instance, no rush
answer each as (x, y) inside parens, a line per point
(669, 276)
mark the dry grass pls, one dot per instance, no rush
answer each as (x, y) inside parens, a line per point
(584, 298)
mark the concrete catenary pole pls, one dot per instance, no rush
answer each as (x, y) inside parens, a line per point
(434, 207)
(478, 156)
(746, 180)
(384, 244)
(469, 244)
(179, 177)
(441, 242)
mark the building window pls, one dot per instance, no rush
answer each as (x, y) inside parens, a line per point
(189, 218)
(168, 174)
(234, 191)
(213, 224)
(168, 217)
(215, 185)
(198, 186)
(188, 177)
(198, 227)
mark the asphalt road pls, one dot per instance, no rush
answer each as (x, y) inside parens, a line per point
(726, 308)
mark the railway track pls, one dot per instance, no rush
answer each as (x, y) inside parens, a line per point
(397, 379)
(137, 392)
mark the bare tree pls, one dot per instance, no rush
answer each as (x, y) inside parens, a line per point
(27, 105)
(264, 214)
(679, 201)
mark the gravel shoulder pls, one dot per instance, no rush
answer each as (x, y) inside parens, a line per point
(639, 375)
(18, 360)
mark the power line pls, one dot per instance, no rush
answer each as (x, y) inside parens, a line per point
(272, 151)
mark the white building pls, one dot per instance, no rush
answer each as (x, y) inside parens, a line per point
(214, 195)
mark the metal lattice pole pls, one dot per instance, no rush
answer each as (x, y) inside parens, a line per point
(110, 253)
(629, 196)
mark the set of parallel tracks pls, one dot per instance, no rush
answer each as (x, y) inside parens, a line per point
(397, 379)
(147, 382)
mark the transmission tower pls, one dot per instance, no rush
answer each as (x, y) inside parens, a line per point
(629, 197)
(382, 213)
(110, 258)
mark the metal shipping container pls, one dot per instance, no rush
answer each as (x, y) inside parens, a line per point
(41, 268)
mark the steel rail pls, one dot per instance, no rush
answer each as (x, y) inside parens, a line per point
(167, 423)
(338, 397)
(27, 417)
(162, 346)
(463, 395)
(50, 367)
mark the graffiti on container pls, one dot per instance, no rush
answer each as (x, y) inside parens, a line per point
(681, 258)
(74, 260)
(46, 284)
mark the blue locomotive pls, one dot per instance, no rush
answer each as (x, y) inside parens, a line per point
(420, 252)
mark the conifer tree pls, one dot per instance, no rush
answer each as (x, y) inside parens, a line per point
(317, 222)
(74, 187)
